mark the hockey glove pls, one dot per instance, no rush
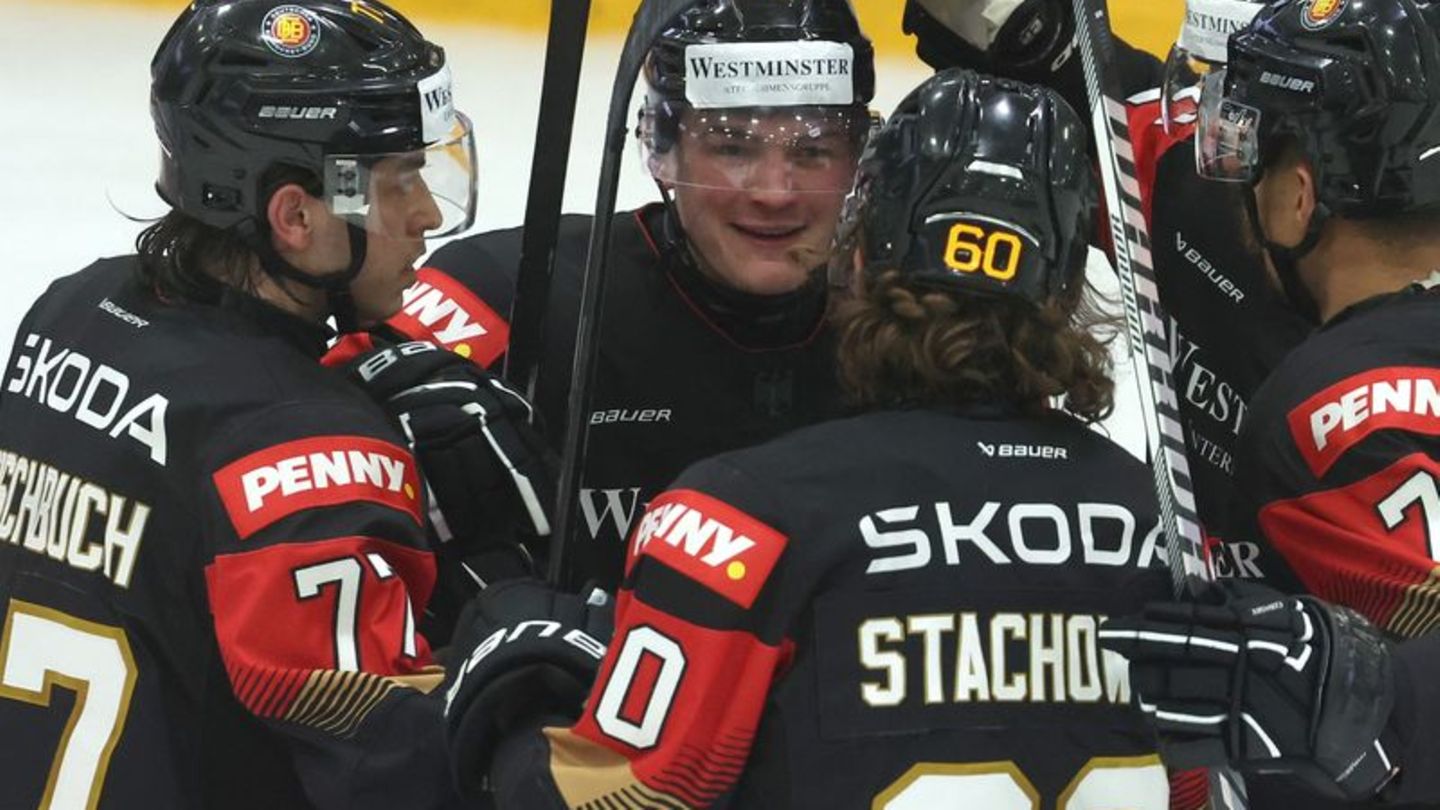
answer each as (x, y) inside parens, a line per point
(1023, 39)
(523, 653)
(1266, 681)
(491, 474)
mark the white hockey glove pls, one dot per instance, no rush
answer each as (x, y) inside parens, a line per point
(1268, 682)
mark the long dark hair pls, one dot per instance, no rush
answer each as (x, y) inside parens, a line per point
(901, 343)
(182, 258)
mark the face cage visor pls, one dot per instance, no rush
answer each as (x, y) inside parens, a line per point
(427, 193)
(1227, 135)
(1185, 73)
(800, 150)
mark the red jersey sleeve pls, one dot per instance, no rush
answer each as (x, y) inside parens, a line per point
(676, 705)
(317, 572)
(1364, 528)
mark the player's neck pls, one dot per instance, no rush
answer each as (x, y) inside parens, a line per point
(1348, 267)
(297, 299)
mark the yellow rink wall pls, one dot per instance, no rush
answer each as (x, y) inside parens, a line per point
(1151, 24)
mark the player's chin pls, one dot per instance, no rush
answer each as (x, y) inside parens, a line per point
(770, 274)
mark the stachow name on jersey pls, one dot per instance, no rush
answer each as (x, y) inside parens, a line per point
(1008, 657)
(94, 394)
(904, 538)
(57, 514)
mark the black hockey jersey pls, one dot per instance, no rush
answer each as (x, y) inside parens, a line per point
(1228, 327)
(210, 565)
(897, 610)
(1337, 472)
(1340, 462)
(685, 369)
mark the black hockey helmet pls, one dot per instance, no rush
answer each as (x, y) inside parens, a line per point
(757, 21)
(804, 63)
(1356, 83)
(978, 184)
(329, 87)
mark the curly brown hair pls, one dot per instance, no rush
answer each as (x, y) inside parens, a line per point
(901, 343)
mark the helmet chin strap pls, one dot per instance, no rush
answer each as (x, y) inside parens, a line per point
(336, 285)
(1287, 259)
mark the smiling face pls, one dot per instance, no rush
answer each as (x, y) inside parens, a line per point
(759, 193)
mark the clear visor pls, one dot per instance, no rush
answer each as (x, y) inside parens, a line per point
(806, 150)
(1180, 89)
(1227, 135)
(426, 193)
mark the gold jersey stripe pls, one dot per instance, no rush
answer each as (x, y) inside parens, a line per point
(1419, 611)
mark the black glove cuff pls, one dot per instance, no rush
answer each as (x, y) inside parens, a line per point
(510, 703)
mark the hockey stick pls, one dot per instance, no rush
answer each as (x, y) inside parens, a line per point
(1146, 323)
(650, 20)
(564, 50)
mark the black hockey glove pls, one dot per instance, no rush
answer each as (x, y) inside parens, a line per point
(1021, 39)
(491, 474)
(523, 653)
(1269, 682)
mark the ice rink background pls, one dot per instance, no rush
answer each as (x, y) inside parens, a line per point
(77, 147)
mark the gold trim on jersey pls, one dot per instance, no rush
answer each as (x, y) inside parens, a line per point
(922, 769)
(1419, 610)
(79, 686)
(592, 777)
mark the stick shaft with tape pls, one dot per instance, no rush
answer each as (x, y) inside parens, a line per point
(1147, 325)
(649, 22)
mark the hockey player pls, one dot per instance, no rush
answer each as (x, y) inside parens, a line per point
(1328, 118)
(713, 325)
(895, 610)
(212, 555)
(1231, 329)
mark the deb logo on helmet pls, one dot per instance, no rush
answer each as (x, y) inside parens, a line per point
(1320, 13)
(290, 31)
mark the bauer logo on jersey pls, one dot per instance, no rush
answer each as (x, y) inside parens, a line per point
(1320, 13)
(277, 482)
(1336, 419)
(290, 31)
(441, 309)
(769, 74)
(712, 542)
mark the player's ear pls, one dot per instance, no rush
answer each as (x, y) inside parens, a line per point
(1286, 200)
(1307, 193)
(291, 218)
